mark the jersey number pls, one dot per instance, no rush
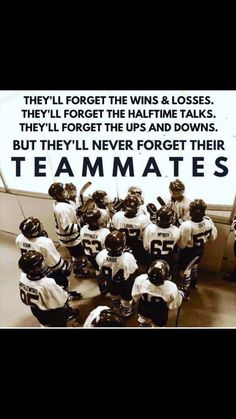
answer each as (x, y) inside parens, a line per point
(27, 298)
(107, 272)
(201, 238)
(151, 299)
(159, 247)
(93, 246)
(131, 232)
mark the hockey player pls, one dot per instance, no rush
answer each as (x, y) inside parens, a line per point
(67, 227)
(149, 210)
(72, 194)
(179, 203)
(47, 300)
(93, 235)
(160, 239)
(104, 316)
(33, 237)
(117, 270)
(194, 234)
(102, 201)
(155, 295)
(133, 225)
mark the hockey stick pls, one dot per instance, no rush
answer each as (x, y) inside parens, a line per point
(186, 272)
(82, 190)
(160, 200)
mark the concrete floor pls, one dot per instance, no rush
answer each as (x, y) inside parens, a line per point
(213, 304)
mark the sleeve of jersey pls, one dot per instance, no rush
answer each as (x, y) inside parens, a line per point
(67, 225)
(136, 294)
(177, 235)
(145, 222)
(146, 237)
(105, 234)
(175, 299)
(93, 314)
(130, 265)
(115, 221)
(213, 235)
(100, 259)
(53, 296)
(185, 233)
(53, 257)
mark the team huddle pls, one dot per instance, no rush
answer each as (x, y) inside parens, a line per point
(140, 255)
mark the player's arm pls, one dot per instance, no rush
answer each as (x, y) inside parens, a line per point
(130, 266)
(177, 296)
(53, 295)
(67, 225)
(185, 234)
(136, 294)
(213, 235)
(146, 238)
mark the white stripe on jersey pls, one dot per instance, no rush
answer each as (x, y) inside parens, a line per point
(93, 314)
(168, 291)
(43, 245)
(133, 227)
(67, 227)
(93, 241)
(159, 240)
(125, 262)
(44, 293)
(197, 234)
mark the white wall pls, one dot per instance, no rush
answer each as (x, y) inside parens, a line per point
(13, 209)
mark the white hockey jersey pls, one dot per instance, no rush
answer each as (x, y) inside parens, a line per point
(67, 227)
(44, 293)
(43, 245)
(181, 208)
(114, 266)
(168, 291)
(93, 314)
(133, 227)
(160, 241)
(93, 241)
(197, 234)
(142, 209)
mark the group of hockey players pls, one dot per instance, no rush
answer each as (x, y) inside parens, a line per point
(140, 255)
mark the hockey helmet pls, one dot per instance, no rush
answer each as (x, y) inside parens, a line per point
(158, 272)
(197, 210)
(31, 227)
(115, 243)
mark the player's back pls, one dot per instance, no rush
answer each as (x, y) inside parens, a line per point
(160, 241)
(93, 240)
(44, 293)
(197, 234)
